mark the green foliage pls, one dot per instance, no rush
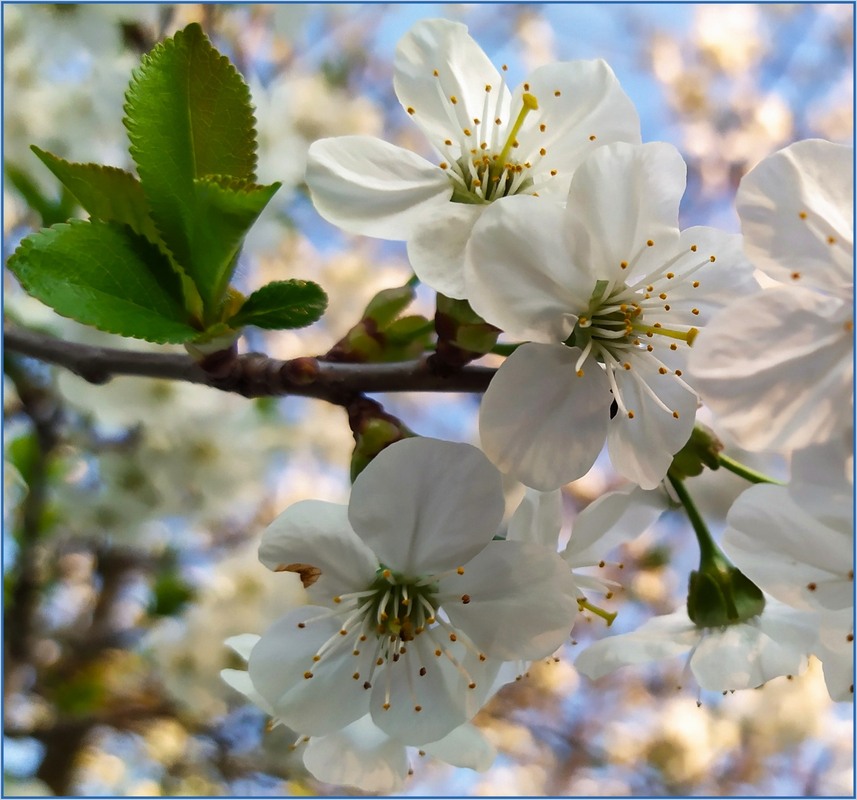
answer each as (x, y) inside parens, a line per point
(170, 594)
(155, 260)
(282, 304)
(191, 127)
(105, 275)
(106, 193)
(700, 451)
(49, 210)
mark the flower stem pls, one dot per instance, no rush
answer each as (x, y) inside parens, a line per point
(505, 349)
(744, 471)
(708, 549)
(413, 282)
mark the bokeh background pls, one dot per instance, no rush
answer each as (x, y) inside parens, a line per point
(133, 510)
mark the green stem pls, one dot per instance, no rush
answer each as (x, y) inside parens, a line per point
(708, 549)
(505, 349)
(607, 616)
(744, 471)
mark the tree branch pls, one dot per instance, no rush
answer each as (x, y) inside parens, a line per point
(251, 374)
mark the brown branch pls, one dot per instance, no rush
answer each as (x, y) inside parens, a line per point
(251, 374)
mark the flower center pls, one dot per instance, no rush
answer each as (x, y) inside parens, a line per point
(400, 609)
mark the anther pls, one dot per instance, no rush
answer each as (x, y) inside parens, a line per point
(307, 675)
(678, 372)
(316, 658)
(471, 685)
(453, 99)
(675, 414)
(663, 370)
(443, 165)
(302, 625)
(423, 671)
(695, 312)
(380, 661)
(411, 110)
(693, 248)
(695, 284)
(526, 87)
(386, 706)
(630, 415)
(712, 259)
(418, 708)
(650, 243)
(592, 138)
(802, 214)
(367, 685)
(553, 172)
(453, 637)
(811, 586)
(543, 152)
(543, 127)
(557, 93)
(487, 87)
(460, 570)
(623, 264)
(465, 598)
(356, 676)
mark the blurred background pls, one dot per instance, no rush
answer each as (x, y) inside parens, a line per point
(133, 510)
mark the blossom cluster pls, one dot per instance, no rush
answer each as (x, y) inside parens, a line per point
(548, 215)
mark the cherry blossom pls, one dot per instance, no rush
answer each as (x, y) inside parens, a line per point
(491, 144)
(610, 295)
(776, 367)
(361, 754)
(797, 543)
(415, 607)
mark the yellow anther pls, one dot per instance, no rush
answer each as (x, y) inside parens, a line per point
(543, 127)
(580, 373)
(630, 415)
(712, 259)
(831, 240)
(487, 87)
(695, 284)
(670, 276)
(543, 152)
(553, 172)
(460, 570)
(307, 675)
(663, 370)
(436, 73)
(592, 138)
(678, 372)
(693, 248)
(557, 93)
(316, 658)
(623, 264)
(411, 110)
(650, 243)
(443, 165)
(802, 214)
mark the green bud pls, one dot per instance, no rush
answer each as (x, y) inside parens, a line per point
(373, 429)
(700, 451)
(462, 335)
(720, 594)
(385, 306)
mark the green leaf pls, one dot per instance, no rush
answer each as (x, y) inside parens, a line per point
(282, 304)
(189, 118)
(105, 275)
(225, 211)
(106, 193)
(50, 210)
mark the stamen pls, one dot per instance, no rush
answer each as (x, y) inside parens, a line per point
(529, 104)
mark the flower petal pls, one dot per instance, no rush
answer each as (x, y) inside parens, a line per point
(425, 505)
(331, 698)
(518, 273)
(776, 368)
(360, 755)
(436, 60)
(538, 519)
(437, 246)
(750, 653)
(625, 196)
(835, 648)
(243, 644)
(367, 186)
(789, 554)
(539, 421)
(641, 448)
(612, 518)
(466, 746)
(239, 679)
(657, 638)
(796, 209)
(581, 107)
(315, 534)
(428, 696)
(520, 601)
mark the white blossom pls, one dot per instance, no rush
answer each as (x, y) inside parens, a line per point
(776, 367)
(610, 294)
(491, 144)
(797, 544)
(415, 607)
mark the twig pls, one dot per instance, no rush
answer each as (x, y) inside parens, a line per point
(251, 374)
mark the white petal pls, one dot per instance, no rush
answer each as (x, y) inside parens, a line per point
(776, 368)
(243, 644)
(442, 693)
(425, 505)
(360, 755)
(815, 178)
(466, 746)
(239, 680)
(537, 519)
(519, 275)
(641, 448)
(520, 601)
(784, 551)
(822, 484)
(582, 107)
(612, 518)
(748, 654)
(835, 648)
(624, 196)
(318, 534)
(539, 421)
(331, 698)
(463, 71)
(659, 637)
(367, 186)
(437, 245)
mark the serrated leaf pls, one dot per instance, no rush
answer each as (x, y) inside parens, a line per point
(105, 275)
(189, 117)
(282, 304)
(106, 193)
(225, 211)
(49, 209)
